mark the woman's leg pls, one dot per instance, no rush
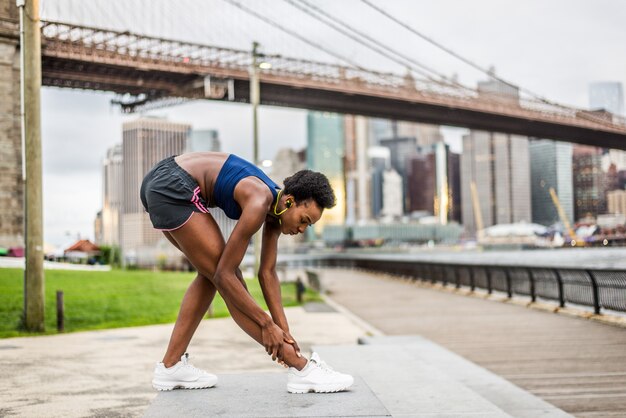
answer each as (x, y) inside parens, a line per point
(194, 306)
(201, 241)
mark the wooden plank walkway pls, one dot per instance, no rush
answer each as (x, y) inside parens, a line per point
(575, 364)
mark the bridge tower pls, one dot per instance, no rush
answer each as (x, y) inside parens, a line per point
(11, 184)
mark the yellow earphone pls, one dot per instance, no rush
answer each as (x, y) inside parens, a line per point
(288, 204)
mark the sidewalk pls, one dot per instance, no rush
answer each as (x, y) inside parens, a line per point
(108, 373)
(575, 364)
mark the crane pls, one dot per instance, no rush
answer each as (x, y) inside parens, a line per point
(478, 216)
(575, 240)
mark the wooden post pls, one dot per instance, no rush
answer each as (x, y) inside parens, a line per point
(31, 68)
(60, 312)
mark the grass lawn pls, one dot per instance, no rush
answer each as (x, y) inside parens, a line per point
(119, 298)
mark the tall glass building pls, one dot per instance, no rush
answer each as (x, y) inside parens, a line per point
(498, 164)
(551, 166)
(325, 153)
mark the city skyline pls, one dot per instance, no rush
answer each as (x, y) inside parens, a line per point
(564, 77)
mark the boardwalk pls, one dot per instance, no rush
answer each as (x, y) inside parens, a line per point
(575, 364)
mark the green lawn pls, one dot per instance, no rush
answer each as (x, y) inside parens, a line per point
(119, 298)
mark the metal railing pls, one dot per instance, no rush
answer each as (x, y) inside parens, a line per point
(596, 288)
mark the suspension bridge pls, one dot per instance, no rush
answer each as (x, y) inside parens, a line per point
(148, 69)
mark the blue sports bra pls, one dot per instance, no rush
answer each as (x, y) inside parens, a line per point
(233, 170)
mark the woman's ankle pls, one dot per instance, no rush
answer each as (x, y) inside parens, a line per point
(300, 363)
(170, 362)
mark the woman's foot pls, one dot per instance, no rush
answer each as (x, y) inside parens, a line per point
(318, 377)
(182, 375)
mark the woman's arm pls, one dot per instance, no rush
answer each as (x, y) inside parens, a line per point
(232, 289)
(225, 278)
(270, 285)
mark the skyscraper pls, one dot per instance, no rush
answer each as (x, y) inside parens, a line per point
(498, 165)
(434, 181)
(325, 153)
(112, 187)
(379, 163)
(146, 141)
(422, 181)
(551, 166)
(589, 182)
(392, 195)
(400, 149)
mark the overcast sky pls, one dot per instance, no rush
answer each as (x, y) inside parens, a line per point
(552, 47)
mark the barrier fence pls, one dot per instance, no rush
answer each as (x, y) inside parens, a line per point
(596, 288)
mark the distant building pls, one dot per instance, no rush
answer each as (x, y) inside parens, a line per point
(616, 200)
(379, 129)
(325, 153)
(287, 161)
(392, 195)
(379, 163)
(425, 177)
(589, 182)
(400, 148)
(357, 131)
(607, 95)
(97, 227)
(146, 141)
(498, 165)
(112, 193)
(421, 177)
(551, 166)
(454, 184)
(203, 140)
(81, 250)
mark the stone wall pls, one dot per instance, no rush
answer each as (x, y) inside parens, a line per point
(11, 185)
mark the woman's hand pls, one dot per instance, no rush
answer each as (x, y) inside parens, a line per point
(273, 339)
(290, 340)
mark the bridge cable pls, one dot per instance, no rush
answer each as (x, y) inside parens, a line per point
(459, 57)
(355, 38)
(294, 34)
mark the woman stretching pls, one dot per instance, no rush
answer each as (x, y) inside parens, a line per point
(176, 194)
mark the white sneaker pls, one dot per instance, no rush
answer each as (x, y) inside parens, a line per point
(317, 377)
(181, 375)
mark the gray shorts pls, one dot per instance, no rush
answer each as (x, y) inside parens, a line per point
(170, 195)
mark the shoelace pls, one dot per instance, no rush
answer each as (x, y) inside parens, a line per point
(185, 361)
(322, 365)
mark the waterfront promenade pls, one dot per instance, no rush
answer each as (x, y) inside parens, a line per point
(575, 364)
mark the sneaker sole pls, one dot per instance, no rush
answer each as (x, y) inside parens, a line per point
(323, 389)
(165, 386)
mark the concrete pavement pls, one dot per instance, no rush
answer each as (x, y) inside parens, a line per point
(107, 373)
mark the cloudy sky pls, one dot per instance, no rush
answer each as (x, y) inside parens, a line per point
(554, 48)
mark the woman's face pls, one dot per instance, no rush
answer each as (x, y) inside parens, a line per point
(300, 215)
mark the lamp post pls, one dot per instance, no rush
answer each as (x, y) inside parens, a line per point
(255, 93)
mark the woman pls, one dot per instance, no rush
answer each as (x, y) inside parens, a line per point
(176, 194)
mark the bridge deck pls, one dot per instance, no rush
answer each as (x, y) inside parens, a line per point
(577, 365)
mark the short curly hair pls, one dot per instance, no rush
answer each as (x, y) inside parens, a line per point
(307, 184)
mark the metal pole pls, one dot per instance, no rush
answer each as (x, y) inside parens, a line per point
(255, 93)
(34, 277)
